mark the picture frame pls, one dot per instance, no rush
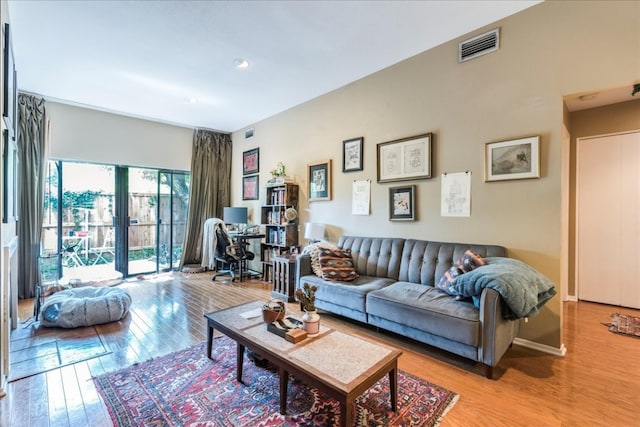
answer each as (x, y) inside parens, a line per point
(352, 154)
(10, 87)
(250, 187)
(319, 177)
(405, 159)
(251, 161)
(10, 179)
(402, 206)
(512, 159)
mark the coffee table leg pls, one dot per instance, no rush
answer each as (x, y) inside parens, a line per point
(239, 362)
(346, 408)
(393, 386)
(209, 342)
(284, 383)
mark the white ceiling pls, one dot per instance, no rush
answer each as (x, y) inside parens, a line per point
(148, 58)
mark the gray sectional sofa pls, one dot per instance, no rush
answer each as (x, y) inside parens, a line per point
(395, 292)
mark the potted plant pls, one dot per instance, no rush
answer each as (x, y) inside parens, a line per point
(307, 297)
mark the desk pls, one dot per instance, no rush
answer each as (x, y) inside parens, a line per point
(242, 240)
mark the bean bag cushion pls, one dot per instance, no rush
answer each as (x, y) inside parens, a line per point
(85, 306)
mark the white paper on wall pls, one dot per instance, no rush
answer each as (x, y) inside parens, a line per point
(361, 197)
(456, 194)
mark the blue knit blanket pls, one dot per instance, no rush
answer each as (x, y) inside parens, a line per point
(524, 289)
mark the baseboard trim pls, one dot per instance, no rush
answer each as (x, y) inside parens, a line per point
(562, 351)
(572, 298)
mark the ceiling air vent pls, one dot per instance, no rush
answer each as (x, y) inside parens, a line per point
(479, 45)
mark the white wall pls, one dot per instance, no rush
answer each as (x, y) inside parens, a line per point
(99, 137)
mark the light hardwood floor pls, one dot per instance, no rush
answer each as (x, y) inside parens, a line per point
(596, 384)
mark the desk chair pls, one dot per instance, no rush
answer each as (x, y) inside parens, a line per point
(230, 255)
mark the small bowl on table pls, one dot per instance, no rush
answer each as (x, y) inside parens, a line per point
(272, 311)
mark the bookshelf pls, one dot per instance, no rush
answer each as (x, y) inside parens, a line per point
(281, 233)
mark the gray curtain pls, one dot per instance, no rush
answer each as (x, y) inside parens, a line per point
(210, 188)
(31, 175)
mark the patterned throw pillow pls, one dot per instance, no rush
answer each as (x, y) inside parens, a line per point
(337, 265)
(313, 250)
(469, 261)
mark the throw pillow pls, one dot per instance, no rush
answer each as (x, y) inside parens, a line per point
(469, 261)
(313, 250)
(337, 265)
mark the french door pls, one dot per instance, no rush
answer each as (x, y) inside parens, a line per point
(101, 220)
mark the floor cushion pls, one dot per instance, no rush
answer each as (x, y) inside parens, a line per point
(85, 306)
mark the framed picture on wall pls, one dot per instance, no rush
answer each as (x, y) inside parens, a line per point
(319, 176)
(250, 187)
(352, 154)
(251, 161)
(513, 159)
(405, 159)
(402, 206)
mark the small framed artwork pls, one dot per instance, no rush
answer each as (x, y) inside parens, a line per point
(402, 206)
(352, 154)
(250, 187)
(251, 161)
(405, 159)
(319, 176)
(513, 159)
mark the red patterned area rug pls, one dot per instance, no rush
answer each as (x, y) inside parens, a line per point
(188, 389)
(625, 325)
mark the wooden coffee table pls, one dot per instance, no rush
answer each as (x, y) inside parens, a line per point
(343, 366)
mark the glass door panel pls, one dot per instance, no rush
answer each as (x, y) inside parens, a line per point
(143, 198)
(78, 220)
(180, 189)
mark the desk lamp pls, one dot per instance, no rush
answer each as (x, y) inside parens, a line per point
(236, 216)
(314, 232)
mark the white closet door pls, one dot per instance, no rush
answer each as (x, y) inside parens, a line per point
(608, 219)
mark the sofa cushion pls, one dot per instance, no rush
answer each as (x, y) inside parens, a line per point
(336, 265)
(468, 262)
(427, 309)
(425, 262)
(374, 256)
(347, 294)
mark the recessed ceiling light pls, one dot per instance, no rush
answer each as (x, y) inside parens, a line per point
(190, 100)
(240, 63)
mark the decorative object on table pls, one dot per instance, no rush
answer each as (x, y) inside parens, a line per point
(402, 205)
(405, 159)
(290, 214)
(251, 161)
(279, 170)
(250, 185)
(273, 311)
(255, 401)
(319, 176)
(514, 159)
(307, 297)
(624, 324)
(288, 328)
(352, 154)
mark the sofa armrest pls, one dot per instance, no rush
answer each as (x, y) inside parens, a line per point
(497, 332)
(303, 268)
